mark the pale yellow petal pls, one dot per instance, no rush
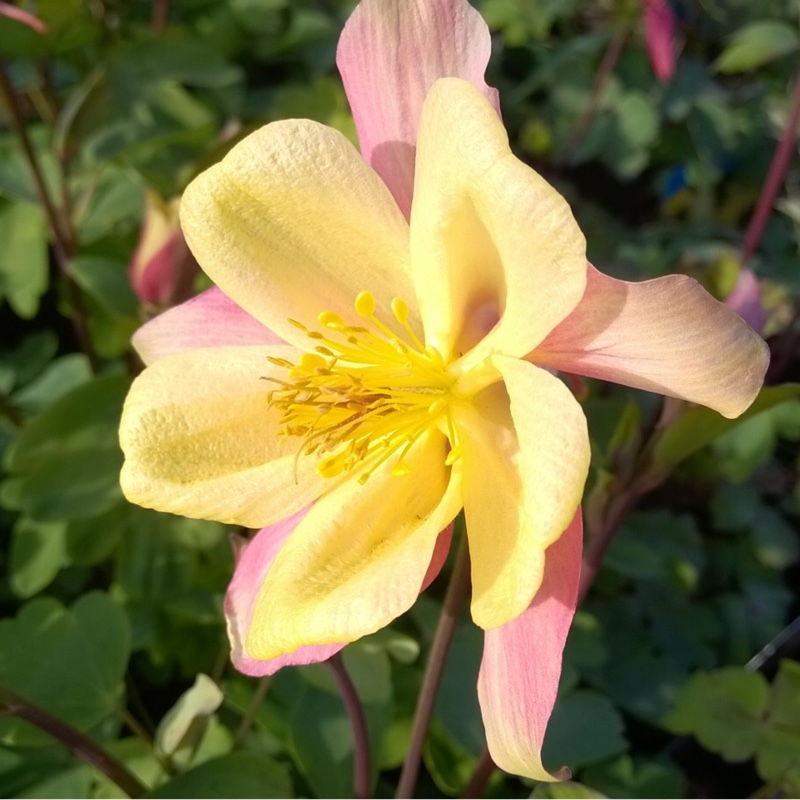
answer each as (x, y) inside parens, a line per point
(493, 245)
(359, 557)
(199, 440)
(293, 222)
(526, 457)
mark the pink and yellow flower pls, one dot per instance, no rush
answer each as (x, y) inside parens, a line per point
(380, 352)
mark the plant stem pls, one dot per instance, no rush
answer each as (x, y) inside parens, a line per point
(251, 711)
(480, 777)
(160, 15)
(63, 239)
(774, 180)
(604, 73)
(80, 744)
(457, 592)
(361, 765)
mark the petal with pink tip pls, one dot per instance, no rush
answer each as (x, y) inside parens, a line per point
(251, 571)
(390, 54)
(360, 556)
(211, 319)
(242, 593)
(666, 335)
(521, 666)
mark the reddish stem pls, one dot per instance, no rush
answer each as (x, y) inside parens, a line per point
(361, 768)
(774, 180)
(457, 592)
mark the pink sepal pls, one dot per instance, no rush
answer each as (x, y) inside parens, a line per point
(254, 561)
(521, 666)
(390, 54)
(211, 319)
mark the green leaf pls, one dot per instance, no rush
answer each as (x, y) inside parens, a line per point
(89, 541)
(184, 724)
(628, 778)
(756, 44)
(585, 728)
(56, 379)
(23, 257)
(778, 754)
(722, 710)
(700, 426)
(235, 775)
(450, 765)
(785, 700)
(67, 460)
(457, 701)
(106, 280)
(564, 791)
(48, 647)
(38, 552)
(323, 751)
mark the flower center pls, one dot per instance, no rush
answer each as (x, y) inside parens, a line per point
(364, 394)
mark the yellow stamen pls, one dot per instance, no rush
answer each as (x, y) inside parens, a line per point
(364, 396)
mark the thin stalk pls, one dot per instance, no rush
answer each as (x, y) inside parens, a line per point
(480, 777)
(774, 180)
(604, 72)
(160, 15)
(81, 745)
(361, 759)
(63, 240)
(457, 592)
(251, 712)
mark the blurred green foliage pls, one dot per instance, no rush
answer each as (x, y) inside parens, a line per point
(113, 613)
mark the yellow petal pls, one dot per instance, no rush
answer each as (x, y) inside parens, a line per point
(199, 440)
(526, 457)
(359, 557)
(490, 239)
(292, 222)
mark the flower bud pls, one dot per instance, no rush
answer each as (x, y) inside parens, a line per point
(163, 268)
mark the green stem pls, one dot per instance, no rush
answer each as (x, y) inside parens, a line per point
(80, 744)
(361, 765)
(63, 238)
(251, 712)
(457, 592)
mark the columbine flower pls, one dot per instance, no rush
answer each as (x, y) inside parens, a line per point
(380, 351)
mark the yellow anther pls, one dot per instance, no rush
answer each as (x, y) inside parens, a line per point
(453, 455)
(400, 310)
(311, 361)
(400, 469)
(280, 362)
(365, 304)
(363, 395)
(330, 466)
(330, 319)
(297, 324)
